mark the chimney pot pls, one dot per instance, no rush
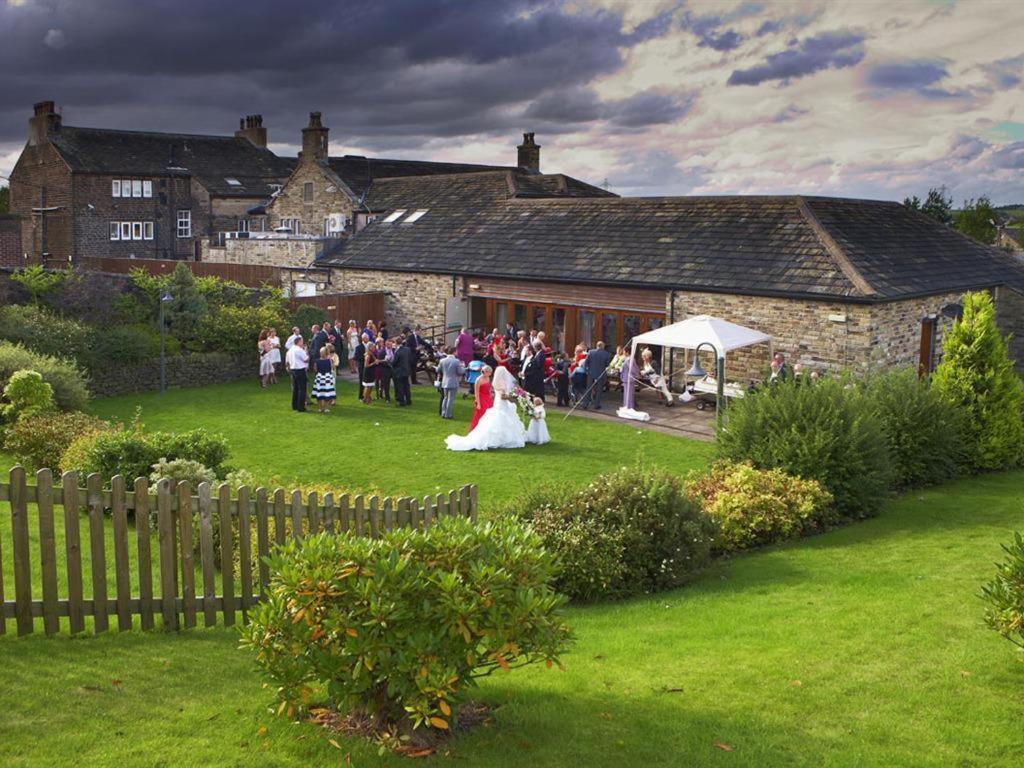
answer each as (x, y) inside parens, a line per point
(45, 121)
(314, 139)
(529, 154)
(251, 128)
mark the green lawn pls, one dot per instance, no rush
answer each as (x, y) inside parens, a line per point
(861, 647)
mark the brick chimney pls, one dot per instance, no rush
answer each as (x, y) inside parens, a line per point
(529, 154)
(251, 127)
(42, 124)
(314, 139)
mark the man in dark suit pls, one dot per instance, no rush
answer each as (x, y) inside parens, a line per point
(414, 341)
(360, 365)
(510, 331)
(401, 369)
(536, 369)
(597, 367)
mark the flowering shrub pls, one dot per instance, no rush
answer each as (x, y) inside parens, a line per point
(628, 532)
(180, 470)
(760, 506)
(26, 394)
(398, 628)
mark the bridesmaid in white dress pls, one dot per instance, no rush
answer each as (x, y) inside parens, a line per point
(500, 426)
(537, 432)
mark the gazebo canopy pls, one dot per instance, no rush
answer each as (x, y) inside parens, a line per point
(702, 329)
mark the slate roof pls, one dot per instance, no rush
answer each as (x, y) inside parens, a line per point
(359, 172)
(211, 159)
(810, 247)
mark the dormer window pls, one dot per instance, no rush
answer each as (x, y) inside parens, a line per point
(394, 216)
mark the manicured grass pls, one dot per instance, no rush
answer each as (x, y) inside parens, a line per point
(395, 450)
(861, 647)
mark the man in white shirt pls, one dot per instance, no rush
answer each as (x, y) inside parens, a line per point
(291, 339)
(297, 362)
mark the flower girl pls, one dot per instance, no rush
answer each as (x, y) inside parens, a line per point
(537, 432)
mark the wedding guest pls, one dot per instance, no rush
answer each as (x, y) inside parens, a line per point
(464, 346)
(298, 363)
(535, 371)
(275, 354)
(266, 367)
(352, 336)
(578, 373)
(650, 370)
(369, 378)
(562, 379)
(323, 384)
(450, 372)
(597, 368)
(537, 432)
(482, 396)
(385, 353)
(371, 330)
(339, 341)
(510, 331)
(382, 330)
(780, 371)
(401, 369)
(335, 362)
(316, 342)
(415, 341)
(360, 355)
(291, 339)
(615, 366)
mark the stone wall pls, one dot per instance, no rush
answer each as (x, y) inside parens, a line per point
(412, 299)
(188, 370)
(1010, 316)
(276, 252)
(11, 254)
(328, 198)
(896, 330)
(39, 165)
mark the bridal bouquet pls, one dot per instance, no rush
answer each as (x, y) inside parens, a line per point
(524, 400)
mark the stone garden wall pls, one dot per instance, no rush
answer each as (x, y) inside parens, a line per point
(411, 299)
(1010, 316)
(187, 370)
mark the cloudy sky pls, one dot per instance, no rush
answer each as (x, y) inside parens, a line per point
(865, 99)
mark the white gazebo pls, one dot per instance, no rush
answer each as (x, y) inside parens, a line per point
(696, 333)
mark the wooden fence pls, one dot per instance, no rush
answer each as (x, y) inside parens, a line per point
(251, 275)
(183, 586)
(368, 305)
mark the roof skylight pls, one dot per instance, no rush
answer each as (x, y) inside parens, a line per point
(394, 216)
(415, 216)
(232, 181)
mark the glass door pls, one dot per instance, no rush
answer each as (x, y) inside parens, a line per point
(500, 316)
(557, 338)
(587, 327)
(539, 318)
(610, 329)
(519, 316)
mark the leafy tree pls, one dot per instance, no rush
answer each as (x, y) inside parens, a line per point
(186, 306)
(977, 220)
(39, 282)
(976, 375)
(937, 205)
(5, 199)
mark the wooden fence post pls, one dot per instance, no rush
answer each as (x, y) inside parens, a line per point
(47, 550)
(297, 515)
(262, 537)
(227, 557)
(374, 518)
(206, 555)
(279, 515)
(122, 574)
(145, 560)
(472, 502)
(73, 551)
(245, 551)
(168, 561)
(22, 564)
(312, 513)
(188, 564)
(97, 552)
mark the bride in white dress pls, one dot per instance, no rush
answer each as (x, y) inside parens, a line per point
(500, 426)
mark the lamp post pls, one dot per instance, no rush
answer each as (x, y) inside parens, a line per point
(163, 358)
(697, 372)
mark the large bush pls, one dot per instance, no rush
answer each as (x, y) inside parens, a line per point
(26, 394)
(827, 431)
(976, 375)
(41, 441)
(69, 390)
(210, 450)
(760, 506)
(399, 628)
(121, 344)
(234, 329)
(133, 453)
(923, 431)
(43, 331)
(628, 532)
(1004, 595)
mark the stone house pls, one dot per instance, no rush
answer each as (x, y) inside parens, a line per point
(101, 192)
(837, 283)
(11, 254)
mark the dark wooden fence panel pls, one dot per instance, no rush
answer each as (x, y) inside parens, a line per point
(176, 516)
(347, 306)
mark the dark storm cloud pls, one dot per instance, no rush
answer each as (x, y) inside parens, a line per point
(709, 29)
(921, 76)
(392, 68)
(828, 50)
(582, 105)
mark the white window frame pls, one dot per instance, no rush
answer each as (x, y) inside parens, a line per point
(184, 221)
(147, 188)
(115, 188)
(136, 230)
(307, 192)
(115, 230)
(147, 230)
(242, 226)
(394, 216)
(126, 230)
(126, 187)
(136, 187)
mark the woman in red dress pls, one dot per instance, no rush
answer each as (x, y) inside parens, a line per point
(482, 392)
(497, 351)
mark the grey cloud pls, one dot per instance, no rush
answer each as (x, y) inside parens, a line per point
(582, 105)
(1006, 73)
(828, 50)
(790, 113)
(921, 76)
(709, 29)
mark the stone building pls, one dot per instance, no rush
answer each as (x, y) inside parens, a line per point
(837, 283)
(11, 254)
(101, 192)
